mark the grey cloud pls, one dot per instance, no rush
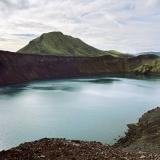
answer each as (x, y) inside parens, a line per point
(16, 4)
(130, 26)
(25, 35)
(3, 39)
(31, 24)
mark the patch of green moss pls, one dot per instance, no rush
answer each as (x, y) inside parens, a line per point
(147, 66)
(132, 126)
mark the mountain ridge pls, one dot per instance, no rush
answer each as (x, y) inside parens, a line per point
(57, 43)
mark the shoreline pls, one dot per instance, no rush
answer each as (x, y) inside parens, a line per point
(60, 148)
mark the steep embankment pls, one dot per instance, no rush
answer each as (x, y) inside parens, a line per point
(61, 149)
(56, 43)
(144, 135)
(17, 68)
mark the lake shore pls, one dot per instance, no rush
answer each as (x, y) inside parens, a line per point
(60, 149)
(143, 135)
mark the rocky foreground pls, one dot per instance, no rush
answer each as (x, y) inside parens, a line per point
(61, 149)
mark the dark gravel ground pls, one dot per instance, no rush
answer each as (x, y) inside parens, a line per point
(61, 149)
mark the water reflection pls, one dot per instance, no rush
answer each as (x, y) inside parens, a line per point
(61, 88)
(99, 80)
(104, 80)
(12, 90)
(18, 89)
(140, 77)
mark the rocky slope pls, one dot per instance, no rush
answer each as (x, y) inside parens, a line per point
(144, 135)
(56, 43)
(18, 68)
(61, 149)
(144, 64)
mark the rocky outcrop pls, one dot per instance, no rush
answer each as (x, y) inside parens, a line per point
(144, 135)
(18, 68)
(61, 149)
(144, 64)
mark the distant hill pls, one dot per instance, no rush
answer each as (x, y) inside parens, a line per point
(56, 43)
(115, 53)
(155, 53)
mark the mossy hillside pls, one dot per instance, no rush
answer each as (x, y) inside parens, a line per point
(147, 66)
(118, 54)
(56, 43)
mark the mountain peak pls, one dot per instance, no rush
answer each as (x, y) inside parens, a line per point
(57, 43)
(53, 33)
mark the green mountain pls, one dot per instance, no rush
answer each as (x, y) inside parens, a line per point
(56, 43)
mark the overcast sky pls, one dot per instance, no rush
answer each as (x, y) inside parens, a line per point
(124, 25)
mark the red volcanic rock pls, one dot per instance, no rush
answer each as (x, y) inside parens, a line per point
(61, 149)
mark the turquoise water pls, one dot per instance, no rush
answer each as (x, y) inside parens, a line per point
(88, 109)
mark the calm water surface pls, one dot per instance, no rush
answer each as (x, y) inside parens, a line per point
(88, 109)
